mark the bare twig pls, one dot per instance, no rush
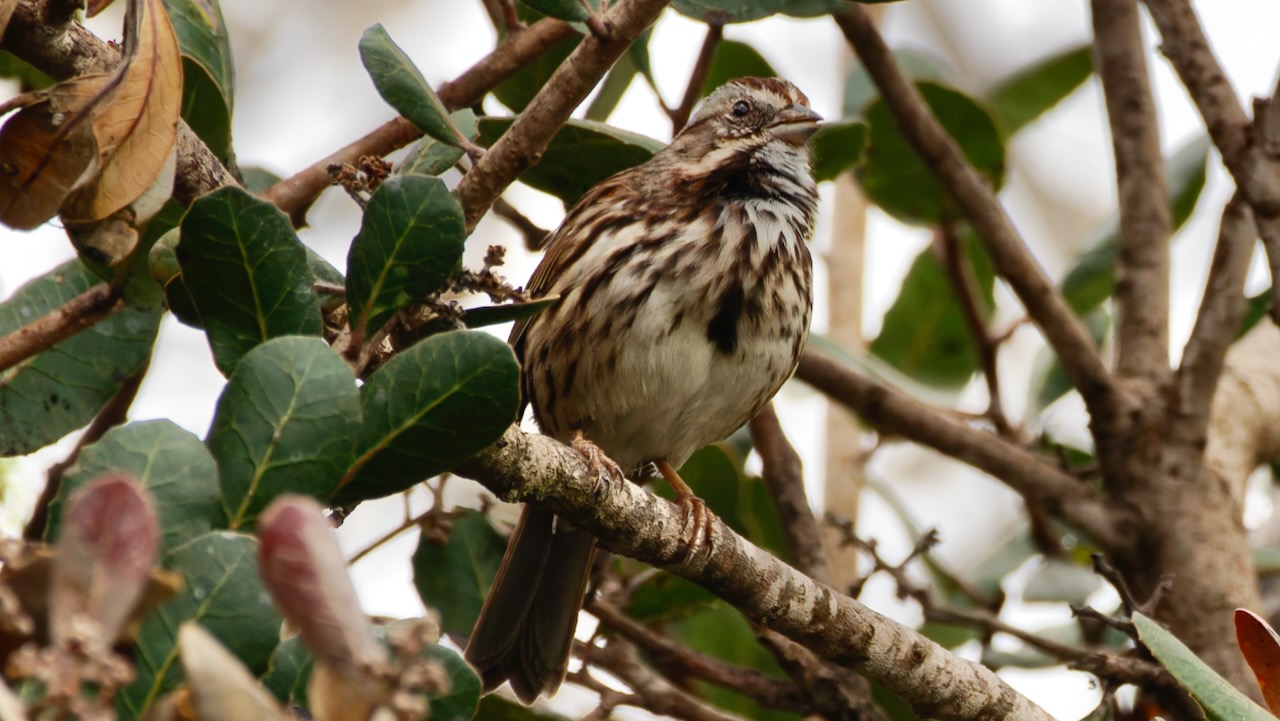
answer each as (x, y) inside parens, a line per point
(295, 194)
(58, 325)
(1218, 321)
(535, 237)
(784, 475)
(1009, 253)
(1142, 258)
(965, 285)
(1117, 670)
(698, 76)
(114, 413)
(524, 141)
(654, 692)
(672, 657)
(892, 411)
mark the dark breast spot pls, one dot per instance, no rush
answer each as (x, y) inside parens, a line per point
(723, 328)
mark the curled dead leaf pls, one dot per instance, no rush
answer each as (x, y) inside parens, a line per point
(1261, 648)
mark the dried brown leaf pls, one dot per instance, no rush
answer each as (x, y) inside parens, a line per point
(44, 152)
(1261, 648)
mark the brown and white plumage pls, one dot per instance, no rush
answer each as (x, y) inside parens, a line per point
(685, 301)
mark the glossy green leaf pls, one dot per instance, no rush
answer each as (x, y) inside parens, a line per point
(521, 86)
(924, 333)
(897, 180)
(571, 10)
(1092, 280)
(581, 155)
(1052, 383)
(734, 59)
(221, 592)
(836, 148)
(171, 463)
(22, 72)
(401, 84)
(208, 72)
(663, 596)
(818, 8)
(430, 407)
(431, 157)
(285, 423)
(246, 273)
(455, 576)
(506, 313)
(410, 240)
(1219, 699)
(729, 11)
(1032, 91)
(459, 701)
(860, 90)
(63, 388)
(612, 89)
(288, 671)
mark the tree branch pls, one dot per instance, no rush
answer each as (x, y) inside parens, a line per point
(698, 76)
(629, 520)
(295, 195)
(58, 325)
(1064, 331)
(784, 474)
(1219, 318)
(1142, 258)
(522, 145)
(894, 412)
(659, 695)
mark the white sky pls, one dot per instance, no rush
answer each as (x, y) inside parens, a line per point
(302, 93)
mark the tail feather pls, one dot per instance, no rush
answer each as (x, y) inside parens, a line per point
(524, 633)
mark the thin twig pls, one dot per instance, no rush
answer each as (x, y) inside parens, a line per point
(698, 76)
(1142, 252)
(114, 413)
(965, 286)
(784, 474)
(535, 236)
(655, 693)
(1009, 253)
(295, 194)
(61, 323)
(1117, 670)
(892, 411)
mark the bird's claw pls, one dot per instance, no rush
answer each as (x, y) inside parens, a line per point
(695, 533)
(602, 466)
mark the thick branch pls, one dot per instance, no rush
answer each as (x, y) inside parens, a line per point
(629, 520)
(1142, 259)
(60, 324)
(1219, 318)
(1064, 331)
(522, 145)
(294, 195)
(894, 412)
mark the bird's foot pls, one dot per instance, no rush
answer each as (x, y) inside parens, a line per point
(695, 532)
(602, 466)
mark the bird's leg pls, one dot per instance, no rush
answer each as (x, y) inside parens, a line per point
(696, 533)
(603, 466)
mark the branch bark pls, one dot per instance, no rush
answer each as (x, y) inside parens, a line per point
(631, 521)
(1142, 258)
(58, 325)
(894, 412)
(1064, 331)
(522, 145)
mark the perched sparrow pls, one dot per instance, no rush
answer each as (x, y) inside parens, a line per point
(684, 289)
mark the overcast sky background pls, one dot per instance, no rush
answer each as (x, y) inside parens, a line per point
(302, 93)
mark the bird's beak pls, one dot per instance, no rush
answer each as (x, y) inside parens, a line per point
(795, 125)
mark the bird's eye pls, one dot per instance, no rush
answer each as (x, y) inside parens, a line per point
(740, 108)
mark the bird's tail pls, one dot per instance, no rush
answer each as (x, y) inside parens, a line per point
(525, 630)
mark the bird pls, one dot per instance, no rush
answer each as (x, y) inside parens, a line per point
(685, 296)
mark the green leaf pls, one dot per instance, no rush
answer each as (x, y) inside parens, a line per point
(168, 461)
(1052, 382)
(1031, 91)
(496, 708)
(729, 11)
(663, 597)
(925, 334)
(410, 240)
(612, 89)
(432, 406)
(459, 702)
(222, 592)
(898, 181)
(571, 10)
(734, 59)
(258, 179)
(430, 157)
(24, 73)
(860, 90)
(521, 86)
(581, 155)
(455, 576)
(1258, 308)
(63, 388)
(836, 148)
(284, 424)
(1092, 280)
(246, 273)
(818, 8)
(208, 72)
(401, 84)
(1220, 700)
(505, 313)
(288, 671)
